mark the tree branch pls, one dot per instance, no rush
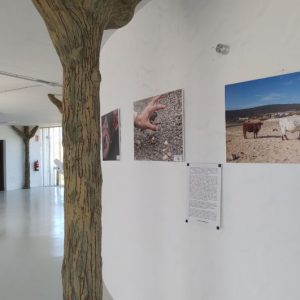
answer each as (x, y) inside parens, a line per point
(56, 102)
(118, 12)
(33, 131)
(122, 13)
(18, 131)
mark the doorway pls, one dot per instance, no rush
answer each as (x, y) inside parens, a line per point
(2, 165)
(52, 156)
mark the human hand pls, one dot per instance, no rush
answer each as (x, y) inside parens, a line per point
(143, 120)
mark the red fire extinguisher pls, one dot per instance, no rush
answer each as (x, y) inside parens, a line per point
(36, 165)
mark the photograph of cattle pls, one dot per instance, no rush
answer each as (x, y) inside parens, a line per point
(263, 120)
(159, 127)
(110, 127)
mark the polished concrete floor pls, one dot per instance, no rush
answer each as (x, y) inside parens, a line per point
(31, 244)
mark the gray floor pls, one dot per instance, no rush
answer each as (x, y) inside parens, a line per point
(31, 244)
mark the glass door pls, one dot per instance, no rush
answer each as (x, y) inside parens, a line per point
(52, 156)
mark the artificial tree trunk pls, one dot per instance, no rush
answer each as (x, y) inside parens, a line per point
(76, 29)
(26, 135)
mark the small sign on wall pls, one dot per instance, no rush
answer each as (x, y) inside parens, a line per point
(204, 193)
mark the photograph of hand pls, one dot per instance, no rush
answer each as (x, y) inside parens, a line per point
(158, 127)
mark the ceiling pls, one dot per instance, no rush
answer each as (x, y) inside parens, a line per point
(26, 50)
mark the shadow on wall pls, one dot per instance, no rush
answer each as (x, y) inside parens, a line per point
(107, 35)
(106, 294)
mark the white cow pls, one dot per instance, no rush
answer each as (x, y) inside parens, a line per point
(289, 124)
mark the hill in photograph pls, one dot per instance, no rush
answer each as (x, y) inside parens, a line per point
(262, 112)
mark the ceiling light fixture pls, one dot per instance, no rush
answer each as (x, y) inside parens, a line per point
(41, 81)
(20, 88)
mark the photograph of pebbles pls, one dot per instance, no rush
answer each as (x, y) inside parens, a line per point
(159, 127)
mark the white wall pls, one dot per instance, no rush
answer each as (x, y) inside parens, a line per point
(14, 160)
(14, 157)
(149, 251)
(35, 154)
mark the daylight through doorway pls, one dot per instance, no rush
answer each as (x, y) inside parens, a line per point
(52, 156)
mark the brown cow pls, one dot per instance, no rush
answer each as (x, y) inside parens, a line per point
(251, 127)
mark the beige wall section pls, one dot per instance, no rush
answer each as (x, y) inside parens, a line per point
(149, 252)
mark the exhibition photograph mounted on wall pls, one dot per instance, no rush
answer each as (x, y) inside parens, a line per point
(159, 127)
(110, 126)
(263, 120)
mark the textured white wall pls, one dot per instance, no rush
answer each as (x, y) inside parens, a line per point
(149, 251)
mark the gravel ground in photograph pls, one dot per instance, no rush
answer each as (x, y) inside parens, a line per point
(166, 144)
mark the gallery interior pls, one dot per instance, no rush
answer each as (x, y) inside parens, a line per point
(149, 251)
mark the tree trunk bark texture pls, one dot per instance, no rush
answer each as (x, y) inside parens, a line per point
(82, 262)
(26, 165)
(26, 135)
(76, 29)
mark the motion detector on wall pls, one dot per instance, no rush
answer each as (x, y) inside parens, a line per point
(223, 49)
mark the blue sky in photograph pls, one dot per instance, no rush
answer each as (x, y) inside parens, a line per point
(282, 89)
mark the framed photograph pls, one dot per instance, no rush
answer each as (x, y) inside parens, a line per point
(263, 120)
(110, 127)
(159, 127)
